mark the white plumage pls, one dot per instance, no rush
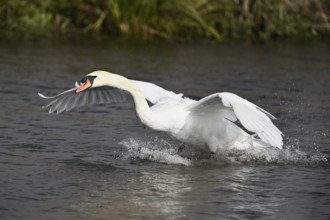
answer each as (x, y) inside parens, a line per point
(211, 121)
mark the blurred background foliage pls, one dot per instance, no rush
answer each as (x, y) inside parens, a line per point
(181, 20)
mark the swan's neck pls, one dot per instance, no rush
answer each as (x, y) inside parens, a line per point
(143, 111)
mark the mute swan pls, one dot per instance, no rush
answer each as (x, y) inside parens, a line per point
(210, 122)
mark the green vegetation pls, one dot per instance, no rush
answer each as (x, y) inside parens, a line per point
(181, 20)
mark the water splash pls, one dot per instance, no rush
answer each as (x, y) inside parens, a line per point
(155, 149)
(161, 150)
(289, 155)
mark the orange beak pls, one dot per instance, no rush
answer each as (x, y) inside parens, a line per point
(86, 85)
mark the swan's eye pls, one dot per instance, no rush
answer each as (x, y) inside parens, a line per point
(84, 80)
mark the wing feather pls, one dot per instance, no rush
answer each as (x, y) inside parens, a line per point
(252, 117)
(105, 95)
(69, 99)
(69, 106)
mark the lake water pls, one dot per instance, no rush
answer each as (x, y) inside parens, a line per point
(100, 162)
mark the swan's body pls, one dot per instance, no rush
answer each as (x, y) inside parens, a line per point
(207, 122)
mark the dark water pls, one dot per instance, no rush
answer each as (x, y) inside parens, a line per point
(99, 162)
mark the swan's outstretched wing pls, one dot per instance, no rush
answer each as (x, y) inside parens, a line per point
(252, 117)
(155, 94)
(69, 99)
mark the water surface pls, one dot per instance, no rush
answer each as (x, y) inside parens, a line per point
(99, 162)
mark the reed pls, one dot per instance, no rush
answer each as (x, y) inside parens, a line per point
(218, 20)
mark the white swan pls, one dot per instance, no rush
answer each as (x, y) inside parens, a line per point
(211, 121)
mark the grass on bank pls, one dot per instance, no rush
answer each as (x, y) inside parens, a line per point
(218, 20)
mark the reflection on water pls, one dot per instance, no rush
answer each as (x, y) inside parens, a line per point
(150, 195)
(99, 162)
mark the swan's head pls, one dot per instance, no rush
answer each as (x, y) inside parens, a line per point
(95, 79)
